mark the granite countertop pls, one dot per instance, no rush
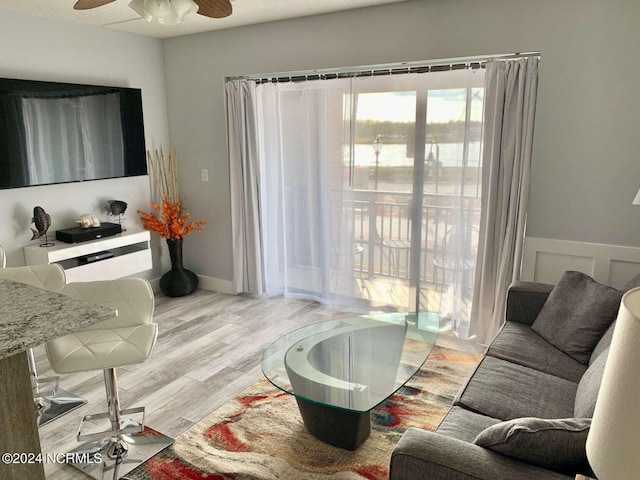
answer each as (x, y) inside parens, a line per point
(29, 316)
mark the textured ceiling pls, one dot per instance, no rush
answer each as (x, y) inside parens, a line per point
(119, 16)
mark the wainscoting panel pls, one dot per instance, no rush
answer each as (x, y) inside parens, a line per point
(546, 259)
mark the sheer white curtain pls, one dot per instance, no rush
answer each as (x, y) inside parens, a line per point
(292, 154)
(85, 131)
(452, 191)
(306, 205)
(510, 103)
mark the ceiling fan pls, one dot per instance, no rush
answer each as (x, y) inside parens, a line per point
(167, 11)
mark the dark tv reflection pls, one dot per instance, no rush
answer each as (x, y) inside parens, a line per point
(59, 133)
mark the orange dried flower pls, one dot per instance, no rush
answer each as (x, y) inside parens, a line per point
(173, 223)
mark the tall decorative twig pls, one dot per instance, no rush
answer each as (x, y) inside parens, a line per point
(173, 175)
(154, 172)
(173, 222)
(165, 174)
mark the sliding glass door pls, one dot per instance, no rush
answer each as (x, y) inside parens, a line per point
(370, 189)
(417, 190)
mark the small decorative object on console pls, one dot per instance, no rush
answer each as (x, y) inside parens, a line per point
(116, 208)
(42, 221)
(88, 220)
(173, 224)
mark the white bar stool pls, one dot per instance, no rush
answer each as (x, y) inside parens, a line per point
(125, 339)
(50, 401)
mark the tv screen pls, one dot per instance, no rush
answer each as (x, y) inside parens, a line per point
(62, 132)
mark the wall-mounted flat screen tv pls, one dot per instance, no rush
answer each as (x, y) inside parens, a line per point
(61, 132)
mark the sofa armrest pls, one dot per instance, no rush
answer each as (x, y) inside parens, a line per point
(421, 454)
(525, 300)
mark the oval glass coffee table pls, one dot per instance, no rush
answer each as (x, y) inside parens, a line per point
(339, 370)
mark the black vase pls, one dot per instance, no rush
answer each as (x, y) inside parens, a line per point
(178, 281)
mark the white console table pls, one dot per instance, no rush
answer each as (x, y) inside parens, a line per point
(131, 255)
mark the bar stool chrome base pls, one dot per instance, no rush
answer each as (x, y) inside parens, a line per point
(49, 400)
(125, 444)
(118, 456)
(50, 407)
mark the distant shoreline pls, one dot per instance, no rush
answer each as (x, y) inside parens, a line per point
(395, 155)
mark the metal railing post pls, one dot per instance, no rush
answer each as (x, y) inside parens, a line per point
(372, 234)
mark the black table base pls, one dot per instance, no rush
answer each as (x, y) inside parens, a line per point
(335, 426)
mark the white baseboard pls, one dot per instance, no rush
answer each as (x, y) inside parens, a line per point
(545, 260)
(217, 285)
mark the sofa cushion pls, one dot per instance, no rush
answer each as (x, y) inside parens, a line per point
(424, 455)
(505, 391)
(589, 386)
(558, 445)
(464, 424)
(577, 313)
(517, 343)
(525, 300)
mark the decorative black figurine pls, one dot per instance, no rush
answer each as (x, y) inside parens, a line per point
(42, 221)
(116, 208)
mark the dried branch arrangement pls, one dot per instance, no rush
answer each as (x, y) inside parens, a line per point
(173, 222)
(165, 175)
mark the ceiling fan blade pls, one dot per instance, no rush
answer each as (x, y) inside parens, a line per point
(89, 4)
(214, 8)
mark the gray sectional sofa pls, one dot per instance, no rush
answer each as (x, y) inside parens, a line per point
(525, 412)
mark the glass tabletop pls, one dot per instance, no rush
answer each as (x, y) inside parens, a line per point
(352, 363)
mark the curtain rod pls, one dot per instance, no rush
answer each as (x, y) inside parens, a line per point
(441, 65)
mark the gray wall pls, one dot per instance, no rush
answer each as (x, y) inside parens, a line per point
(41, 49)
(585, 168)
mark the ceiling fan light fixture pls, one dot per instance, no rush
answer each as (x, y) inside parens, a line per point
(138, 7)
(184, 9)
(158, 8)
(166, 12)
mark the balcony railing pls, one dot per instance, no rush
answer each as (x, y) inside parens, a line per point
(379, 223)
(383, 228)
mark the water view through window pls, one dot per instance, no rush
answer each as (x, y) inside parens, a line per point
(370, 190)
(384, 173)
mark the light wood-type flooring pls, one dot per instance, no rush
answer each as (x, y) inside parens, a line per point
(208, 350)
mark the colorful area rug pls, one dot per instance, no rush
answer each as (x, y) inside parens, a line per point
(259, 435)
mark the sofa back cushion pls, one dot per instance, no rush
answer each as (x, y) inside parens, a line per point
(576, 315)
(589, 386)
